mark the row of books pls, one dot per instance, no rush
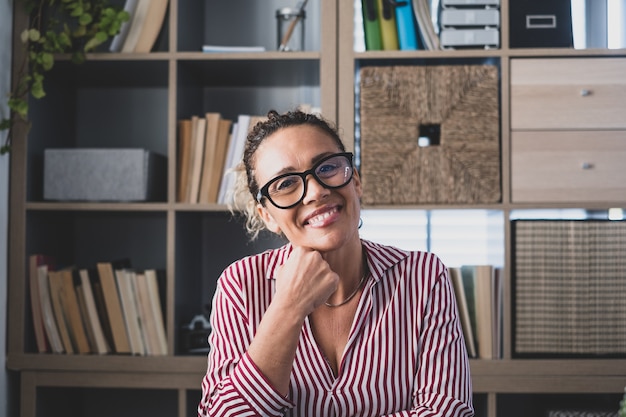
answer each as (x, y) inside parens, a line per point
(424, 24)
(108, 309)
(140, 32)
(478, 290)
(389, 25)
(209, 149)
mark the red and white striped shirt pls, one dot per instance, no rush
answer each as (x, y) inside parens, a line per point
(405, 354)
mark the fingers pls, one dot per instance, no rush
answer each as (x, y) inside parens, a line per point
(305, 280)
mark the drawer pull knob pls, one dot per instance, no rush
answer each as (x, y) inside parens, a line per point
(585, 92)
(586, 165)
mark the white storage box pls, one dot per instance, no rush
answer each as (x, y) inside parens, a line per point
(104, 175)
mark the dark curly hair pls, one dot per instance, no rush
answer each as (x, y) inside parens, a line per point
(246, 187)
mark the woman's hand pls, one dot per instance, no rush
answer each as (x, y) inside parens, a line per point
(305, 281)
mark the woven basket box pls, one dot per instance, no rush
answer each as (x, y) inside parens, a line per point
(459, 102)
(569, 288)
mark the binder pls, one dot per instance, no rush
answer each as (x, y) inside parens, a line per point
(407, 27)
(388, 31)
(371, 25)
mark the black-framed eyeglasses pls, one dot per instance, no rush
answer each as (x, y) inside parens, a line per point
(288, 190)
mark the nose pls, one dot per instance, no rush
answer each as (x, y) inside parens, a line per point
(313, 190)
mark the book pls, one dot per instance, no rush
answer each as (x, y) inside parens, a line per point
(406, 26)
(100, 344)
(148, 326)
(73, 312)
(82, 306)
(478, 279)
(123, 278)
(151, 27)
(184, 156)
(224, 48)
(227, 157)
(47, 310)
(152, 282)
(387, 21)
(106, 274)
(210, 145)
(55, 280)
(198, 130)
(34, 262)
(371, 25)
(98, 296)
(464, 314)
(496, 313)
(118, 40)
(425, 25)
(136, 25)
(233, 157)
(223, 136)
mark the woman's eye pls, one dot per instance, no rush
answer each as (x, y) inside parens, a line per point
(327, 170)
(285, 184)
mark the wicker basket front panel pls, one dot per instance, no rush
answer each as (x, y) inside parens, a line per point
(464, 167)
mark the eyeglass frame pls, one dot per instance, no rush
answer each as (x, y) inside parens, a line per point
(264, 191)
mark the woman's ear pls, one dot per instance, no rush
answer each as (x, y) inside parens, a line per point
(358, 185)
(268, 219)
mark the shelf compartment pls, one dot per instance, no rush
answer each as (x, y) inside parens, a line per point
(99, 104)
(213, 22)
(202, 253)
(521, 405)
(246, 86)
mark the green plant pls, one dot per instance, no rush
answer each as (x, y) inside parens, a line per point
(56, 27)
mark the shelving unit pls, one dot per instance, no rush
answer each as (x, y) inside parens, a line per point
(510, 386)
(135, 100)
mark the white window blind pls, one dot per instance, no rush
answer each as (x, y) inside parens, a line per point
(458, 237)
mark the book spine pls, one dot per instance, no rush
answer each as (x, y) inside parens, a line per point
(371, 25)
(407, 27)
(388, 31)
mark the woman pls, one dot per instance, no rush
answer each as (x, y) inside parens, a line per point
(329, 324)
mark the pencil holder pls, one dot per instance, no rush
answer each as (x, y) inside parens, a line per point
(290, 29)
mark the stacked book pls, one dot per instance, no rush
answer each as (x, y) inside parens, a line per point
(470, 24)
(107, 309)
(478, 290)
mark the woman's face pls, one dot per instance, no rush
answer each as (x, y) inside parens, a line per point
(325, 219)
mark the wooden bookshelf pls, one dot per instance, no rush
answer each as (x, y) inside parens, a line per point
(117, 99)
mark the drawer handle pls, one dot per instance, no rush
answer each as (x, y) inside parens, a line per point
(585, 92)
(586, 165)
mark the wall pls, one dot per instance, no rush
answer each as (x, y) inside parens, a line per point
(6, 11)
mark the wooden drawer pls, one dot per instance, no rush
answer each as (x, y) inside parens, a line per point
(568, 93)
(568, 166)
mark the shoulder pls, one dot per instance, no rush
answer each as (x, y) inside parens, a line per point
(390, 262)
(385, 258)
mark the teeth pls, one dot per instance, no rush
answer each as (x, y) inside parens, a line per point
(320, 218)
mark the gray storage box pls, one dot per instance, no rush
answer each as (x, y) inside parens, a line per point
(104, 175)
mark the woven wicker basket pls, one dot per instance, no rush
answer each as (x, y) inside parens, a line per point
(464, 167)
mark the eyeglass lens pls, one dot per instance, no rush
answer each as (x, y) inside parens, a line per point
(288, 190)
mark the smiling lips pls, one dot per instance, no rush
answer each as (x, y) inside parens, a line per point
(321, 219)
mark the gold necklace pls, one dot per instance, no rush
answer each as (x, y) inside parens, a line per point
(356, 290)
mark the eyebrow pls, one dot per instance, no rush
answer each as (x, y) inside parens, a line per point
(292, 170)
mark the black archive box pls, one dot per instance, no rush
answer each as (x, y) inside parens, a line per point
(540, 24)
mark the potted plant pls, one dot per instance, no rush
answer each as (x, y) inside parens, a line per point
(72, 27)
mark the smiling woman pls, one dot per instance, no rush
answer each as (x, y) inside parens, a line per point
(300, 330)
